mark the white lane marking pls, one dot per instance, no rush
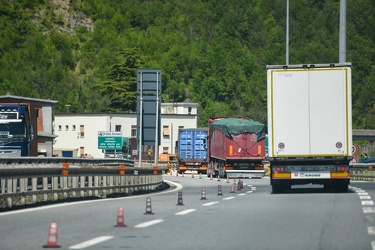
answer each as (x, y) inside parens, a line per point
(373, 245)
(210, 203)
(241, 194)
(369, 210)
(91, 242)
(361, 194)
(148, 223)
(371, 230)
(187, 211)
(178, 187)
(360, 191)
(228, 198)
(365, 197)
(249, 192)
(253, 188)
(367, 203)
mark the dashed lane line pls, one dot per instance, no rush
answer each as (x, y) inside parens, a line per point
(187, 211)
(91, 242)
(228, 198)
(210, 203)
(367, 203)
(365, 197)
(369, 210)
(148, 223)
(371, 230)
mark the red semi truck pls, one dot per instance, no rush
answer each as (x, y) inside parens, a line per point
(236, 147)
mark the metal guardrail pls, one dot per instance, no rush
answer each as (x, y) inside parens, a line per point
(32, 179)
(362, 172)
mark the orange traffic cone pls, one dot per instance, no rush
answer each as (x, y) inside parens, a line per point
(52, 236)
(120, 217)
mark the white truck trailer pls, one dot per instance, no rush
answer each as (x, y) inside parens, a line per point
(309, 125)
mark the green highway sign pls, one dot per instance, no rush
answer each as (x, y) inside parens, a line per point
(110, 140)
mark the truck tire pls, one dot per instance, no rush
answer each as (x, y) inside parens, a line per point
(276, 189)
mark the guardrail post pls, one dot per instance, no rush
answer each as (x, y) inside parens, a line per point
(64, 185)
(104, 180)
(3, 186)
(55, 186)
(82, 185)
(34, 186)
(45, 187)
(22, 189)
(90, 184)
(96, 181)
(122, 183)
(74, 180)
(9, 191)
(111, 178)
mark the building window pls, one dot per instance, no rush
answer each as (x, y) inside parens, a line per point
(74, 127)
(66, 127)
(180, 127)
(82, 131)
(59, 127)
(134, 131)
(166, 130)
(165, 150)
(118, 128)
(189, 110)
(81, 151)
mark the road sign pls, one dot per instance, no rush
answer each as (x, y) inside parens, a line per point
(354, 160)
(354, 149)
(110, 140)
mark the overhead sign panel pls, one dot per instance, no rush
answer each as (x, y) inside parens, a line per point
(148, 81)
(149, 116)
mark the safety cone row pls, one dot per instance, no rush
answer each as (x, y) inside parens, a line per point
(53, 229)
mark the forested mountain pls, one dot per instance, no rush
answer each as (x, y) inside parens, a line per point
(213, 52)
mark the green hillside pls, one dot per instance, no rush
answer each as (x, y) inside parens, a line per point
(213, 52)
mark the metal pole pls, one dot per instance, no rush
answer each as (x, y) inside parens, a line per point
(140, 122)
(157, 121)
(342, 36)
(287, 33)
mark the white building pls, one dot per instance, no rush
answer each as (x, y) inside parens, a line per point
(77, 134)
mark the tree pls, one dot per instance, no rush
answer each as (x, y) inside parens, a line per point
(121, 87)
